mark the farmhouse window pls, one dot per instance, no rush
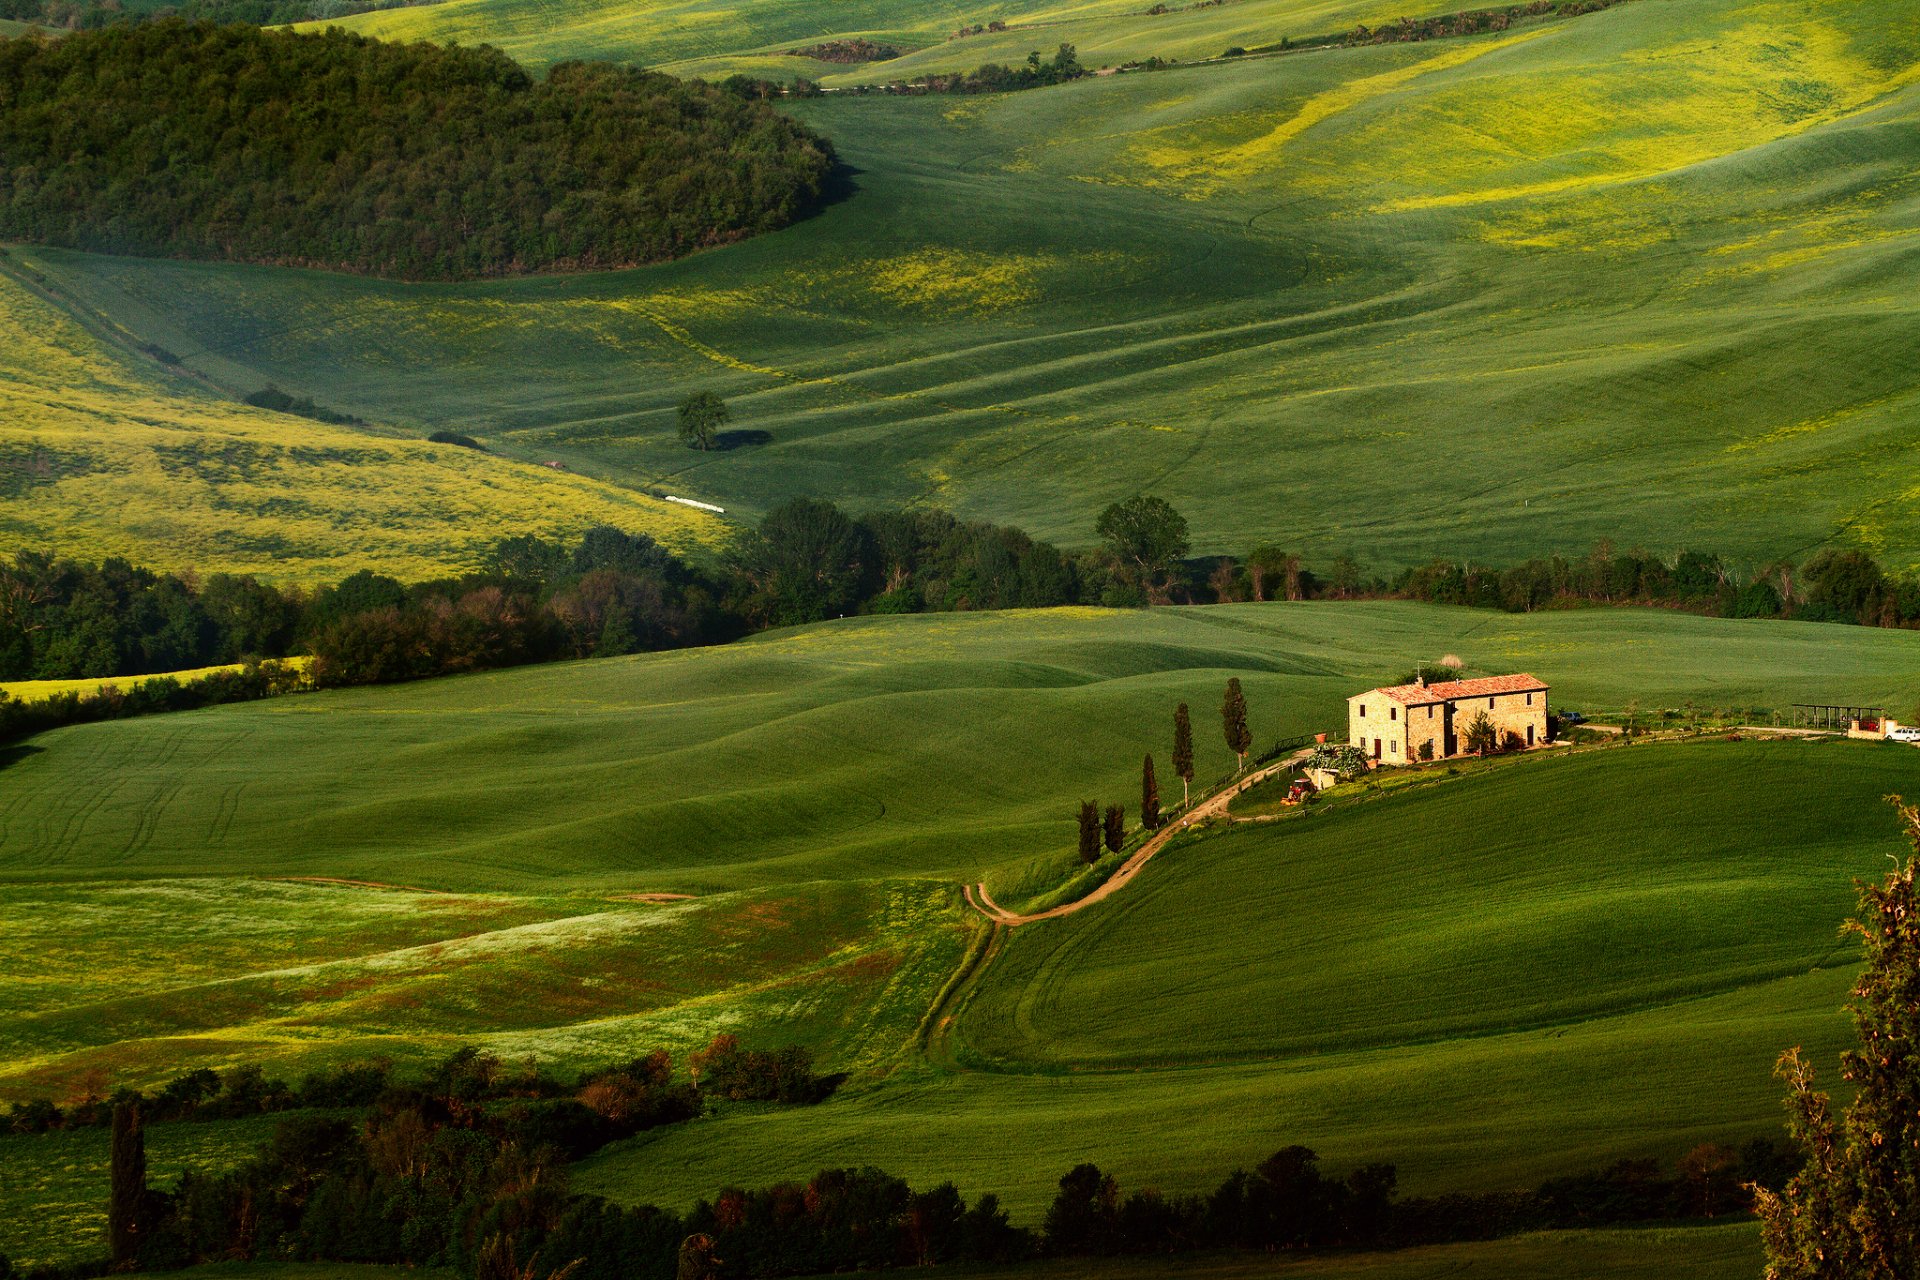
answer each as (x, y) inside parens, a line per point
(1489, 704)
(1529, 699)
(1363, 711)
(1393, 713)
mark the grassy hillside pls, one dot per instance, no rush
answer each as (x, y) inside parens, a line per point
(104, 452)
(1486, 983)
(172, 974)
(869, 747)
(822, 790)
(701, 37)
(1511, 901)
(1636, 275)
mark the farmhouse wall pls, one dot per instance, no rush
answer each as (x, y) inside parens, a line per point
(1392, 729)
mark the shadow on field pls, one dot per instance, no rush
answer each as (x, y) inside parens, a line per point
(14, 755)
(728, 440)
(841, 184)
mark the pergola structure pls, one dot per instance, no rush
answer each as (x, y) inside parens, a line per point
(1820, 715)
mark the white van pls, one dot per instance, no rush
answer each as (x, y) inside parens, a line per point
(1905, 733)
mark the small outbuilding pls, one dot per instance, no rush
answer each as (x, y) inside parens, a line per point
(1429, 721)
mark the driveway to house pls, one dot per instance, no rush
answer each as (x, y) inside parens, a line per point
(1214, 806)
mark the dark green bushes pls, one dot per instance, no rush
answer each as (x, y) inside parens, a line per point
(413, 161)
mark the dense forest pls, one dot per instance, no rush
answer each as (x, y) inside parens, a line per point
(414, 161)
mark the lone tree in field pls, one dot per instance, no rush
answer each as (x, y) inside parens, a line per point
(1089, 832)
(1849, 1214)
(1183, 752)
(1147, 540)
(1149, 796)
(1482, 738)
(126, 1187)
(1233, 721)
(701, 417)
(1115, 828)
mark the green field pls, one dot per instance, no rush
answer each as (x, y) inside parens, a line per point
(1489, 979)
(707, 38)
(700, 38)
(1641, 275)
(106, 452)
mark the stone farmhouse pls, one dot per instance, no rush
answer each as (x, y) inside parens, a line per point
(1392, 725)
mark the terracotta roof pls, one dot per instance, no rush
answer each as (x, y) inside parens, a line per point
(1414, 695)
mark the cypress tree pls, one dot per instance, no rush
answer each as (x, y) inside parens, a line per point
(1183, 752)
(1149, 795)
(1089, 832)
(1849, 1212)
(1116, 828)
(1233, 720)
(126, 1187)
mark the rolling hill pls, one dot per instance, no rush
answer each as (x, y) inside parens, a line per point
(702, 38)
(1485, 982)
(398, 871)
(105, 451)
(1636, 275)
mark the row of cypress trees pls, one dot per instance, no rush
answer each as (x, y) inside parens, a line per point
(1107, 830)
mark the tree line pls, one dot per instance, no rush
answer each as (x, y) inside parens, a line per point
(633, 1095)
(610, 592)
(533, 598)
(414, 161)
(467, 1170)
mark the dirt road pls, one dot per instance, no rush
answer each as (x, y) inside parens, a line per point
(1214, 806)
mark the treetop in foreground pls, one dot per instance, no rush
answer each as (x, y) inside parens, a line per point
(174, 139)
(1850, 1212)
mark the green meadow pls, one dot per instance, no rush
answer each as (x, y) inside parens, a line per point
(105, 451)
(1489, 977)
(707, 38)
(1641, 275)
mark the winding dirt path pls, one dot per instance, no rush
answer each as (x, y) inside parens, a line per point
(1213, 806)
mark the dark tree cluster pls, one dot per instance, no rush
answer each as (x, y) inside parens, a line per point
(415, 161)
(725, 1070)
(67, 620)
(809, 561)
(1837, 585)
(205, 1094)
(992, 77)
(464, 1168)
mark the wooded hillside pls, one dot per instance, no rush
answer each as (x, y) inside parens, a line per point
(415, 161)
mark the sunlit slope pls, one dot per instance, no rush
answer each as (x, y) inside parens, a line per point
(104, 454)
(711, 38)
(137, 982)
(1647, 274)
(1509, 976)
(952, 744)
